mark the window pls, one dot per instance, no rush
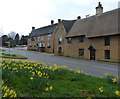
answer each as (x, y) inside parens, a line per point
(48, 45)
(35, 45)
(60, 40)
(69, 40)
(81, 38)
(32, 39)
(38, 38)
(81, 52)
(49, 37)
(42, 37)
(107, 41)
(29, 39)
(107, 54)
(41, 45)
(30, 44)
(35, 38)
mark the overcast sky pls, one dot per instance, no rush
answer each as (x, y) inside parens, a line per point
(21, 15)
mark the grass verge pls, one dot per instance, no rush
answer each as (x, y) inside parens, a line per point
(2, 50)
(33, 79)
(14, 56)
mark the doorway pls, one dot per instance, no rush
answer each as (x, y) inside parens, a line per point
(60, 51)
(92, 54)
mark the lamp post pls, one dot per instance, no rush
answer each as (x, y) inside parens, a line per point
(8, 46)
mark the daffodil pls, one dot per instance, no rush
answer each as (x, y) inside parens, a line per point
(31, 78)
(101, 89)
(107, 74)
(114, 80)
(117, 93)
(46, 89)
(2, 82)
(51, 87)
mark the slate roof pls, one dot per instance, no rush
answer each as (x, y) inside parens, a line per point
(50, 28)
(68, 24)
(43, 30)
(97, 25)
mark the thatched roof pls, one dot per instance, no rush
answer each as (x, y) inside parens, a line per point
(97, 25)
(68, 24)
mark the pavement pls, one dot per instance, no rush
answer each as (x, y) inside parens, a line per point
(94, 68)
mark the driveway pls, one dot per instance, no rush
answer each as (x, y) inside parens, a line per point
(94, 68)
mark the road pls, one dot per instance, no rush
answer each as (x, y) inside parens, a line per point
(94, 68)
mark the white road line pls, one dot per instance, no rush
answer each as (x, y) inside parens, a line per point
(107, 68)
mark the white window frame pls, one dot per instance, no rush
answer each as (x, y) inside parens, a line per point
(38, 38)
(49, 36)
(42, 37)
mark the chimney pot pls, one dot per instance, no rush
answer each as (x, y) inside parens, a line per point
(78, 17)
(52, 22)
(59, 20)
(99, 9)
(33, 28)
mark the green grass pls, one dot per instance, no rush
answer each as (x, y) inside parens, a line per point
(65, 83)
(3, 55)
(2, 50)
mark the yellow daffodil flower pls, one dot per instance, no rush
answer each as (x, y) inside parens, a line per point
(117, 93)
(101, 89)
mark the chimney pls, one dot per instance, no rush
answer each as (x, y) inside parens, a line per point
(52, 22)
(59, 20)
(78, 17)
(33, 28)
(99, 9)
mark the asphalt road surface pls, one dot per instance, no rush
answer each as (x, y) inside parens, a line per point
(94, 68)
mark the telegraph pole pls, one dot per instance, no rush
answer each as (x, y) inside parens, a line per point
(8, 46)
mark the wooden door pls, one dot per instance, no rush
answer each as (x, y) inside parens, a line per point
(59, 50)
(92, 54)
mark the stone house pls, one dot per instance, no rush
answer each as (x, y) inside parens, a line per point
(95, 37)
(41, 39)
(60, 34)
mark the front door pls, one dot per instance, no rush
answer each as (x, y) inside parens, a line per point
(59, 50)
(92, 54)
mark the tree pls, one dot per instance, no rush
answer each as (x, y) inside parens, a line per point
(4, 39)
(17, 39)
(23, 40)
(12, 35)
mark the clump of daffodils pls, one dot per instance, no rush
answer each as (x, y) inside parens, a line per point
(114, 80)
(49, 88)
(117, 93)
(101, 89)
(8, 92)
(106, 74)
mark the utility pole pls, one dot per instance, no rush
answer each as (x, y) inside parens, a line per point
(8, 46)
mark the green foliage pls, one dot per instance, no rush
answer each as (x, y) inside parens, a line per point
(33, 79)
(12, 56)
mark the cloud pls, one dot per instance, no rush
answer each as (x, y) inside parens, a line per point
(21, 15)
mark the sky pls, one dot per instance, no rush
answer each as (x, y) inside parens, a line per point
(21, 15)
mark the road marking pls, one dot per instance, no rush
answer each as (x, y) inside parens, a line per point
(106, 68)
